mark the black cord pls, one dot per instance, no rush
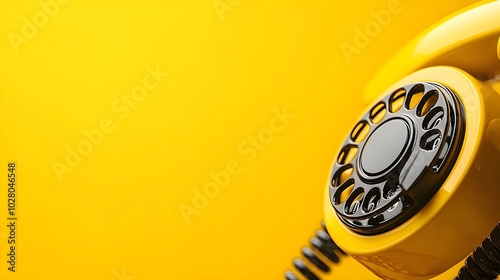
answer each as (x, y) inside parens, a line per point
(320, 245)
(484, 262)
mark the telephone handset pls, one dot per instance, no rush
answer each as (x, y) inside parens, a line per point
(415, 187)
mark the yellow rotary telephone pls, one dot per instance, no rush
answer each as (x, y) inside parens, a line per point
(414, 189)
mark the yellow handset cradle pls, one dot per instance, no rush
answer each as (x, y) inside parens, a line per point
(414, 187)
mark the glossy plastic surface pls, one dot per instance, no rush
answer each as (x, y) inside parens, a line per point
(466, 39)
(462, 212)
(406, 155)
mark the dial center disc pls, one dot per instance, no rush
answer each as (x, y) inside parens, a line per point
(385, 146)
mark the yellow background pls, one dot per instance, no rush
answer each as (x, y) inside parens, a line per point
(117, 213)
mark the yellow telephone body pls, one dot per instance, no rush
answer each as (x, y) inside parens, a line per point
(463, 53)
